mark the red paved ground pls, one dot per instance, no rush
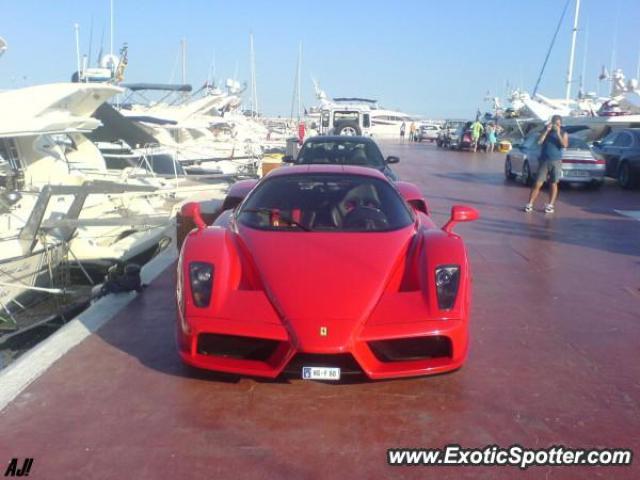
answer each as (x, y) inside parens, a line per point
(554, 360)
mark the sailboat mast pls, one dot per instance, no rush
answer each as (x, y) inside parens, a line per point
(574, 32)
(299, 79)
(183, 43)
(584, 59)
(254, 89)
(296, 82)
(111, 21)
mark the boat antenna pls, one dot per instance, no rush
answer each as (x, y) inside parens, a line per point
(90, 41)
(572, 52)
(77, 35)
(183, 43)
(212, 69)
(101, 51)
(553, 41)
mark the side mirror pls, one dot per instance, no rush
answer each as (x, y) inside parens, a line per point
(393, 159)
(192, 210)
(287, 159)
(460, 213)
(597, 143)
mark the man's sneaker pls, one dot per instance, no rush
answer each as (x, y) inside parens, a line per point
(549, 208)
(528, 208)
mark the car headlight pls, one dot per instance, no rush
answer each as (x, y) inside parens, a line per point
(201, 277)
(447, 282)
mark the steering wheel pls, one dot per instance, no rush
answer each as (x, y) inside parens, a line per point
(366, 218)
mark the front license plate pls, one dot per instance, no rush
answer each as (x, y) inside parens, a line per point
(320, 373)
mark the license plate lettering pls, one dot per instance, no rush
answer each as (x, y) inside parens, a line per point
(320, 373)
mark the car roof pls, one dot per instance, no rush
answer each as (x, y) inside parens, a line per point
(312, 169)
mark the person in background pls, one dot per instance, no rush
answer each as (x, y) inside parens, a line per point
(491, 137)
(403, 127)
(553, 140)
(412, 132)
(476, 131)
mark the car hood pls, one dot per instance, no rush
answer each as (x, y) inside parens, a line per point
(319, 279)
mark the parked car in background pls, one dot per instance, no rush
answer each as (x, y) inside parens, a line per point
(621, 152)
(447, 135)
(344, 150)
(579, 164)
(428, 133)
(461, 139)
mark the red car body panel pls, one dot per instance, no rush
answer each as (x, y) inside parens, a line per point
(324, 293)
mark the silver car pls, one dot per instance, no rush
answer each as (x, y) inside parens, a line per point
(428, 132)
(579, 165)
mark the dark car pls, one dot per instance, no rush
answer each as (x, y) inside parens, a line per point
(344, 150)
(621, 150)
(449, 135)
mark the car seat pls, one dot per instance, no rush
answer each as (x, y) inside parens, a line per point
(359, 157)
(364, 195)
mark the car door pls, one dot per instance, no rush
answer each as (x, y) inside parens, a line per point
(620, 149)
(605, 149)
(528, 151)
(534, 149)
(517, 158)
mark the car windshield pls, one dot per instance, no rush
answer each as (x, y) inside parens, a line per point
(325, 202)
(346, 152)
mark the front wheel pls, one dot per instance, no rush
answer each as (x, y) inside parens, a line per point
(626, 179)
(508, 172)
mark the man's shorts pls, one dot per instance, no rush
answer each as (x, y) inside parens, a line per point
(551, 169)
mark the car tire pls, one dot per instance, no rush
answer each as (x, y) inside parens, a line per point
(526, 174)
(508, 172)
(626, 178)
(349, 129)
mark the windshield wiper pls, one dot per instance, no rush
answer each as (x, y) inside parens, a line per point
(284, 218)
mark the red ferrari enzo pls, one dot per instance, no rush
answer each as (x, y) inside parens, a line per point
(320, 271)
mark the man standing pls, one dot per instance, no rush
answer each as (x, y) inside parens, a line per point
(476, 130)
(402, 129)
(553, 139)
(412, 132)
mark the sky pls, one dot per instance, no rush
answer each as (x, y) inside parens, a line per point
(434, 58)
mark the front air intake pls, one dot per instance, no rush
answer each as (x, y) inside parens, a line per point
(236, 347)
(415, 348)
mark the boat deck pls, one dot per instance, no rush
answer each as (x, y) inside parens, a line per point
(554, 360)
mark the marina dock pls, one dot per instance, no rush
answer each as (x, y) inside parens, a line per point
(555, 336)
